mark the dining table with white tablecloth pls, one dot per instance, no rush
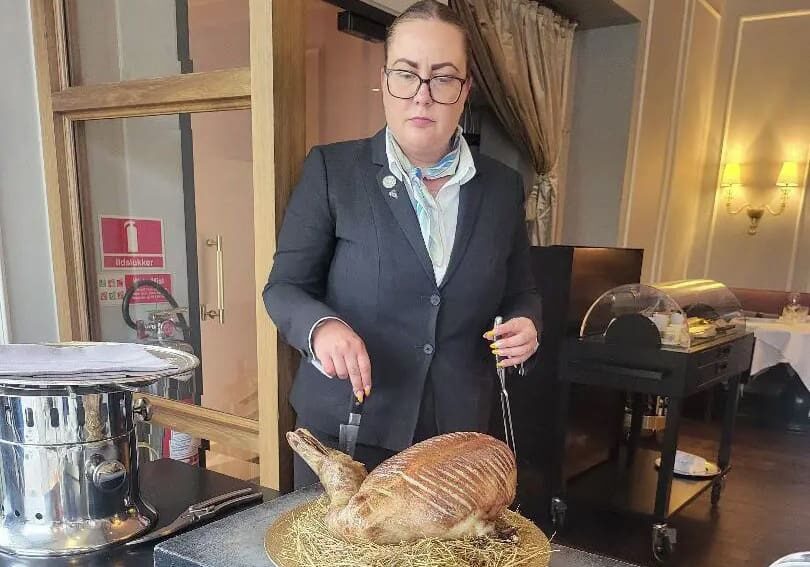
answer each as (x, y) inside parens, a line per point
(779, 342)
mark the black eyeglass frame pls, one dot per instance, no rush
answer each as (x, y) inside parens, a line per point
(422, 81)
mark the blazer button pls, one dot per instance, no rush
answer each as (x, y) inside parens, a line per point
(428, 349)
(435, 299)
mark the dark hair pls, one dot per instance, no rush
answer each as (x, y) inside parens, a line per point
(430, 10)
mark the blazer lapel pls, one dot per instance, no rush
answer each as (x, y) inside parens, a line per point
(470, 197)
(396, 196)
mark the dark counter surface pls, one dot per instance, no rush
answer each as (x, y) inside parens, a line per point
(235, 540)
(239, 540)
(169, 486)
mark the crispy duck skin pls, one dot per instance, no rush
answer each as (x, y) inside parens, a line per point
(450, 486)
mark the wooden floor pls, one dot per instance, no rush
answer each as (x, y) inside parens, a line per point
(764, 512)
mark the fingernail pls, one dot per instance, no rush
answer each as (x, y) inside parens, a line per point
(359, 395)
(501, 364)
(494, 346)
(489, 334)
(368, 390)
(496, 352)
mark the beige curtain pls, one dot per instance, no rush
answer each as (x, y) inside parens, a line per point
(521, 60)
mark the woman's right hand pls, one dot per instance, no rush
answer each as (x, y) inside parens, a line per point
(342, 353)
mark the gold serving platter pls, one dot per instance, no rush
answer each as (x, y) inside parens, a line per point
(299, 538)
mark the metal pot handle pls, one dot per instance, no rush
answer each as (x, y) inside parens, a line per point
(142, 409)
(106, 475)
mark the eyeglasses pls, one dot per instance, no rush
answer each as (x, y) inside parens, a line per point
(443, 89)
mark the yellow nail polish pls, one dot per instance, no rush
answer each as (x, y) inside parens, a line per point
(493, 346)
(368, 390)
(501, 364)
(496, 352)
(359, 395)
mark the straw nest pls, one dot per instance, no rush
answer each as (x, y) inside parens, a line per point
(301, 539)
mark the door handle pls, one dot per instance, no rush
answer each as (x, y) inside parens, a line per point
(219, 312)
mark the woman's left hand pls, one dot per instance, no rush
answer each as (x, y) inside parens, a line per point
(515, 342)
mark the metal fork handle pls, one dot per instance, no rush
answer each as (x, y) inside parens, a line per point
(217, 508)
(506, 407)
(222, 498)
(508, 429)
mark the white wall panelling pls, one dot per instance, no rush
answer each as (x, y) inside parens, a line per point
(598, 140)
(766, 120)
(29, 283)
(686, 155)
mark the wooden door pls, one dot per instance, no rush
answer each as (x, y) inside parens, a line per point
(99, 83)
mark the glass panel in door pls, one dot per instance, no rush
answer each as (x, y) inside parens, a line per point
(343, 80)
(111, 41)
(167, 215)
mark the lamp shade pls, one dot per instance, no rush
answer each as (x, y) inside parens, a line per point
(731, 175)
(788, 175)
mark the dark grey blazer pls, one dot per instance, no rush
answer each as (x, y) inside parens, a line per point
(349, 249)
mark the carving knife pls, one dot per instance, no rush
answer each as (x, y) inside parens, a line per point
(347, 441)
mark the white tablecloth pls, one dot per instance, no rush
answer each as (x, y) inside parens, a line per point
(779, 342)
(37, 359)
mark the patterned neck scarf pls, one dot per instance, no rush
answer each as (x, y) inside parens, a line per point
(427, 209)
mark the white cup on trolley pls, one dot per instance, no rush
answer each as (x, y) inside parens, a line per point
(661, 321)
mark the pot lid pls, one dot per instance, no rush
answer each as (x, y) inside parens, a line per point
(91, 364)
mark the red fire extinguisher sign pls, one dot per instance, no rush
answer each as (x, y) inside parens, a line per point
(148, 294)
(131, 242)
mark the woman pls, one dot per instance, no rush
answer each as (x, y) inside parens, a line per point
(396, 254)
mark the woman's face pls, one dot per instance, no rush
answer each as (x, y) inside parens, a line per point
(429, 48)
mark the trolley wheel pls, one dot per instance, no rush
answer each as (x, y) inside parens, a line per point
(663, 542)
(717, 490)
(558, 510)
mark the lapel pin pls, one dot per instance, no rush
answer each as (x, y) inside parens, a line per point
(393, 193)
(389, 181)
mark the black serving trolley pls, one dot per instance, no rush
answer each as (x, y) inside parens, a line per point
(671, 340)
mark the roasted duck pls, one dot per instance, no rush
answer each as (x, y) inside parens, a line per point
(450, 486)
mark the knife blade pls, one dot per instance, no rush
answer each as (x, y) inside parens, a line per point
(347, 440)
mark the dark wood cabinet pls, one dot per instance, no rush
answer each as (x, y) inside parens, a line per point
(570, 279)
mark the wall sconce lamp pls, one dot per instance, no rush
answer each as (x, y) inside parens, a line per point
(787, 180)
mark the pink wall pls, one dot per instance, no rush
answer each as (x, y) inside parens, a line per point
(219, 32)
(342, 70)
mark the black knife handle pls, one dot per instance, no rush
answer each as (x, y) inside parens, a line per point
(357, 405)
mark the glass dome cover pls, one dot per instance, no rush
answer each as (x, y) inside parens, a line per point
(685, 312)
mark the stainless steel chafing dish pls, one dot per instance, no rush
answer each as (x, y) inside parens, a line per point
(681, 315)
(68, 478)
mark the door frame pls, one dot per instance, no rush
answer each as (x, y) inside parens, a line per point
(5, 324)
(273, 87)
(189, 195)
